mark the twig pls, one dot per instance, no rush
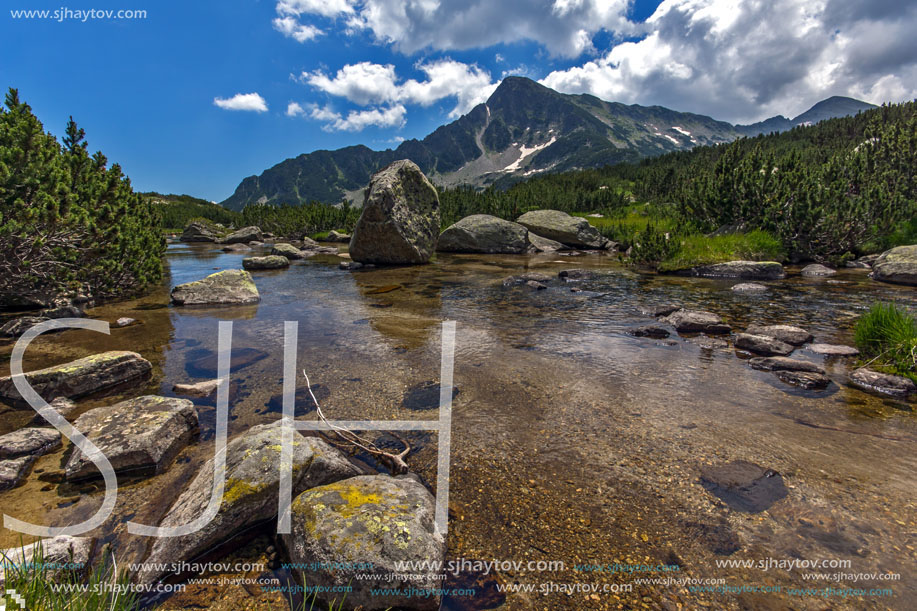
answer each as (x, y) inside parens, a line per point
(395, 462)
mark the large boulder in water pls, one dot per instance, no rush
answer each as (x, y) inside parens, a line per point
(559, 226)
(747, 270)
(268, 262)
(233, 286)
(897, 266)
(81, 377)
(140, 435)
(250, 492)
(369, 521)
(198, 231)
(483, 233)
(244, 236)
(400, 220)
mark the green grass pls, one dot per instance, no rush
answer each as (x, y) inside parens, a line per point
(887, 336)
(625, 225)
(103, 588)
(698, 249)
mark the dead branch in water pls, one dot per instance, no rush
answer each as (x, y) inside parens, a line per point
(395, 462)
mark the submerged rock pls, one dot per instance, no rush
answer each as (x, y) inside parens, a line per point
(534, 284)
(80, 378)
(744, 486)
(540, 244)
(142, 434)
(197, 231)
(751, 270)
(762, 344)
(65, 407)
(663, 310)
(808, 380)
(782, 363)
(833, 350)
(897, 266)
(233, 286)
(526, 278)
(696, 321)
(237, 248)
(749, 287)
(576, 274)
(62, 556)
(483, 233)
(654, 331)
(816, 270)
(246, 235)
(794, 336)
(559, 226)
(897, 386)
(29, 442)
(250, 492)
(268, 262)
(376, 520)
(14, 470)
(400, 220)
(206, 388)
(18, 326)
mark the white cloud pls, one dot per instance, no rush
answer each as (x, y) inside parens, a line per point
(366, 83)
(291, 28)
(358, 120)
(242, 101)
(743, 60)
(564, 27)
(295, 110)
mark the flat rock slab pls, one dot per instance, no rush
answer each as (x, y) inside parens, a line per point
(833, 350)
(558, 226)
(541, 244)
(200, 389)
(70, 555)
(80, 378)
(14, 470)
(807, 380)
(374, 519)
(250, 491)
(138, 435)
(782, 363)
(749, 287)
(693, 321)
(286, 250)
(31, 441)
(233, 286)
(268, 262)
(897, 386)
(816, 271)
(744, 486)
(65, 407)
(483, 233)
(18, 326)
(788, 334)
(746, 270)
(761, 344)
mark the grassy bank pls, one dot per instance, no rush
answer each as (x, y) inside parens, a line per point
(887, 337)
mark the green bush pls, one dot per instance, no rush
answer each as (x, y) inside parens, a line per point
(887, 335)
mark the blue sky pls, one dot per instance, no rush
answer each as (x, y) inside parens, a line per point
(197, 95)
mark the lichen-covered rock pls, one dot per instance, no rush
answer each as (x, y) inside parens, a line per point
(80, 378)
(782, 363)
(693, 321)
(399, 224)
(141, 435)
(245, 235)
(233, 286)
(795, 336)
(762, 344)
(885, 383)
(62, 555)
(268, 262)
(286, 250)
(32, 441)
(196, 231)
(483, 233)
(559, 226)
(377, 520)
(749, 270)
(816, 270)
(250, 491)
(897, 266)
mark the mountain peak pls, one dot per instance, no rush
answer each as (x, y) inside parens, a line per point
(831, 108)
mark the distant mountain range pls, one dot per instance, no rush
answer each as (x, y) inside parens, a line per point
(524, 129)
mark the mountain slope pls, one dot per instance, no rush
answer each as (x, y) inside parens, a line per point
(523, 129)
(832, 108)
